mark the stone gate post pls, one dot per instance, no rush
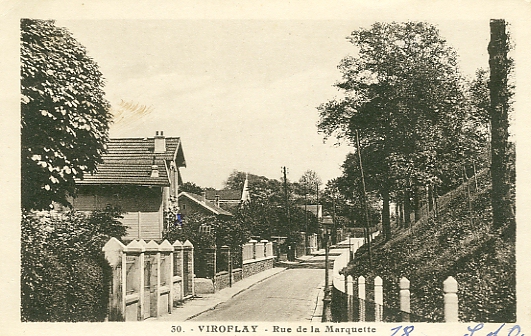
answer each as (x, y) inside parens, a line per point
(178, 289)
(188, 274)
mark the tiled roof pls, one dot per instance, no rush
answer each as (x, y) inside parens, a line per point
(205, 203)
(130, 160)
(224, 195)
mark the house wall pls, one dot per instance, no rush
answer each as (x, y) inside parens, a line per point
(142, 207)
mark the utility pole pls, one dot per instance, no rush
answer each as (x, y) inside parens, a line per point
(327, 298)
(306, 247)
(334, 227)
(284, 172)
(317, 201)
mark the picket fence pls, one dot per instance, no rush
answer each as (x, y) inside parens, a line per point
(358, 305)
(148, 279)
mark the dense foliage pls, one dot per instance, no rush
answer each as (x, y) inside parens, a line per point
(458, 243)
(191, 187)
(405, 106)
(205, 231)
(64, 115)
(266, 214)
(64, 274)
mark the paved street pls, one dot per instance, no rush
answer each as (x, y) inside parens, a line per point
(291, 291)
(288, 296)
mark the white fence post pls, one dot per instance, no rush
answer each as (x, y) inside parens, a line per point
(378, 299)
(405, 296)
(361, 297)
(350, 297)
(451, 305)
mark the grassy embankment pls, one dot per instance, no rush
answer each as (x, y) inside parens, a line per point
(453, 244)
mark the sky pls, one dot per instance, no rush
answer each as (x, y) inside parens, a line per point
(241, 94)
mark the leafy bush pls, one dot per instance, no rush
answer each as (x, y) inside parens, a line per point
(64, 275)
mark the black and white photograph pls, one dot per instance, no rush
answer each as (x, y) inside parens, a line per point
(269, 168)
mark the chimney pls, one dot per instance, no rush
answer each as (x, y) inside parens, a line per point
(160, 142)
(154, 171)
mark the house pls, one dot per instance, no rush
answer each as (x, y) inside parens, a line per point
(225, 199)
(228, 199)
(193, 203)
(141, 175)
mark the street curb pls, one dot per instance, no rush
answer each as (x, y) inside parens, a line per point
(317, 314)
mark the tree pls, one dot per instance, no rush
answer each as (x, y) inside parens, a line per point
(265, 215)
(402, 94)
(349, 187)
(309, 182)
(191, 187)
(64, 115)
(235, 180)
(502, 168)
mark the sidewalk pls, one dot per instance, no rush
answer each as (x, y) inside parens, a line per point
(198, 305)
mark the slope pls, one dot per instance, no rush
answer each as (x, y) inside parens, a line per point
(453, 244)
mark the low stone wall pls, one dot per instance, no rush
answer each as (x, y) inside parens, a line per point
(222, 280)
(255, 257)
(254, 266)
(237, 274)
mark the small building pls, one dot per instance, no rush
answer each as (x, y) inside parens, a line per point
(141, 175)
(226, 199)
(193, 203)
(229, 199)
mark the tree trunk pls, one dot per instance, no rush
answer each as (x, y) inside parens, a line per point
(435, 201)
(430, 198)
(416, 200)
(401, 213)
(407, 208)
(386, 218)
(499, 98)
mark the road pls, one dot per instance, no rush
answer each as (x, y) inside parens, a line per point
(288, 296)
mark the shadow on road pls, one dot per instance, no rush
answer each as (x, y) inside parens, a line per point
(310, 264)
